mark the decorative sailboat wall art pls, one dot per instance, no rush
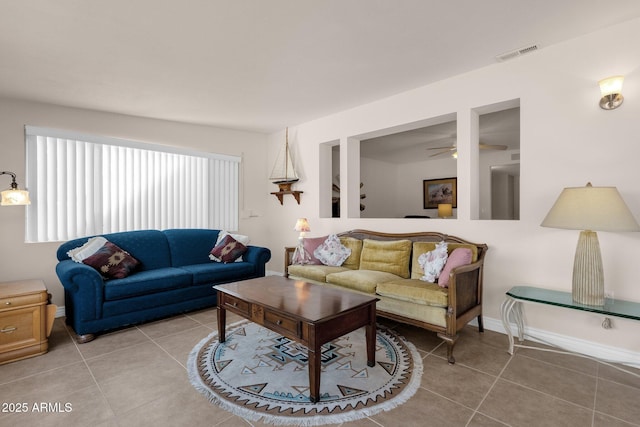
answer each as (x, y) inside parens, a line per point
(284, 173)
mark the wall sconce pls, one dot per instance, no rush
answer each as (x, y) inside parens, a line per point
(445, 210)
(13, 196)
(611, 89)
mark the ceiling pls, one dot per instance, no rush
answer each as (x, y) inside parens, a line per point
(264, 65)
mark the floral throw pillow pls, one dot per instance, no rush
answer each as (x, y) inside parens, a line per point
(332, 252)
(433, 262)
(111, 261)
(228, 250)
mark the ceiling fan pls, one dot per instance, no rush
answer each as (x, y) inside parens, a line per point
(454, 150)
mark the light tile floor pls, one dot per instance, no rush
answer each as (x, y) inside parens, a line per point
(137, 377)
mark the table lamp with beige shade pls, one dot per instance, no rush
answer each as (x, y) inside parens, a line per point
(590, 209)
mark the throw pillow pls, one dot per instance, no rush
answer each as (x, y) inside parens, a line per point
(91, 247)
(238, 237)
(228, 250)
(332, 252)
(458, 257)
(433, 262)
(309, 244)
(111, 261)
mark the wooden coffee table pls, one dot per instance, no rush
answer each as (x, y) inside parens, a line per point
(304, 312)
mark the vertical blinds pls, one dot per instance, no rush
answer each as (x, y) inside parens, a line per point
(82, 185)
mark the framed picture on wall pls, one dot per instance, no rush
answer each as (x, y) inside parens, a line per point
(437, 191)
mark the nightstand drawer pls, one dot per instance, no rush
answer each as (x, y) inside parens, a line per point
(278, 322)
(19, 328)
(22, 300)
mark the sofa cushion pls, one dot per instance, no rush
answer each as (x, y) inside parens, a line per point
(361, 280)
(458, 258)
(217, 272)
(146, 282)
(150, 247)
(190, 246)
(353, 261)
(419, 248)
(422, 247)
(316, 273)
(416, 291)
(390, 256)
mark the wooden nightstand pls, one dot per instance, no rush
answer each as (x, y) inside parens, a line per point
(26, 319)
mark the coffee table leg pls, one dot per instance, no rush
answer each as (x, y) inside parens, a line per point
(315, 360)
(370, 335)
(222, 321)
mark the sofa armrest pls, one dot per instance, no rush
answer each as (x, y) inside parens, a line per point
(465, 289)
(84, 289)
(258, 256)
(288, 258)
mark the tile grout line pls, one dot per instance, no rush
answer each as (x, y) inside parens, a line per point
(84, 360)
(162, 348)
(498, 377)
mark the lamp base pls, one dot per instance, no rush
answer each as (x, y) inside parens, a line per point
(588, 274)
(300, 255)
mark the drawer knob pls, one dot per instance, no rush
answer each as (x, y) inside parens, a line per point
(8, 329)
(235, 304)
(278, 322)
(8, 303)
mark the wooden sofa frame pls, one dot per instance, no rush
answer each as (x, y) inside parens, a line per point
(465, 285)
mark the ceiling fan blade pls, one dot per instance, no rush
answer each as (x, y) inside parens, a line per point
(492, 147)
(442, 152)
(449, 148)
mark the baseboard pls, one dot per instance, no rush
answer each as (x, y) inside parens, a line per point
(567, 343)
(273, 273)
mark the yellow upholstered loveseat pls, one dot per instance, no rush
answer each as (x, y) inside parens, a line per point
(387, 265)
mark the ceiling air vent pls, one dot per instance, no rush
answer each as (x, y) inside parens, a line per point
(518, 52)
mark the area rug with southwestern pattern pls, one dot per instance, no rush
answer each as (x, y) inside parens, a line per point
(263, 376)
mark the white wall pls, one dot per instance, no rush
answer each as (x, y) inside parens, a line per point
(566, 140)
(380, 184)
(19, 260)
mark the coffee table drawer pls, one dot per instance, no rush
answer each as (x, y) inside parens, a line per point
(279, 322)
(235, 304)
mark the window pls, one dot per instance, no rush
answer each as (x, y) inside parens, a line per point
(83, 185)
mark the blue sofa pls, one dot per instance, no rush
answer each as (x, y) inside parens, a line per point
(175, 275)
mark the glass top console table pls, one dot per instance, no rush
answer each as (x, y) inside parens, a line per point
(512, 307)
